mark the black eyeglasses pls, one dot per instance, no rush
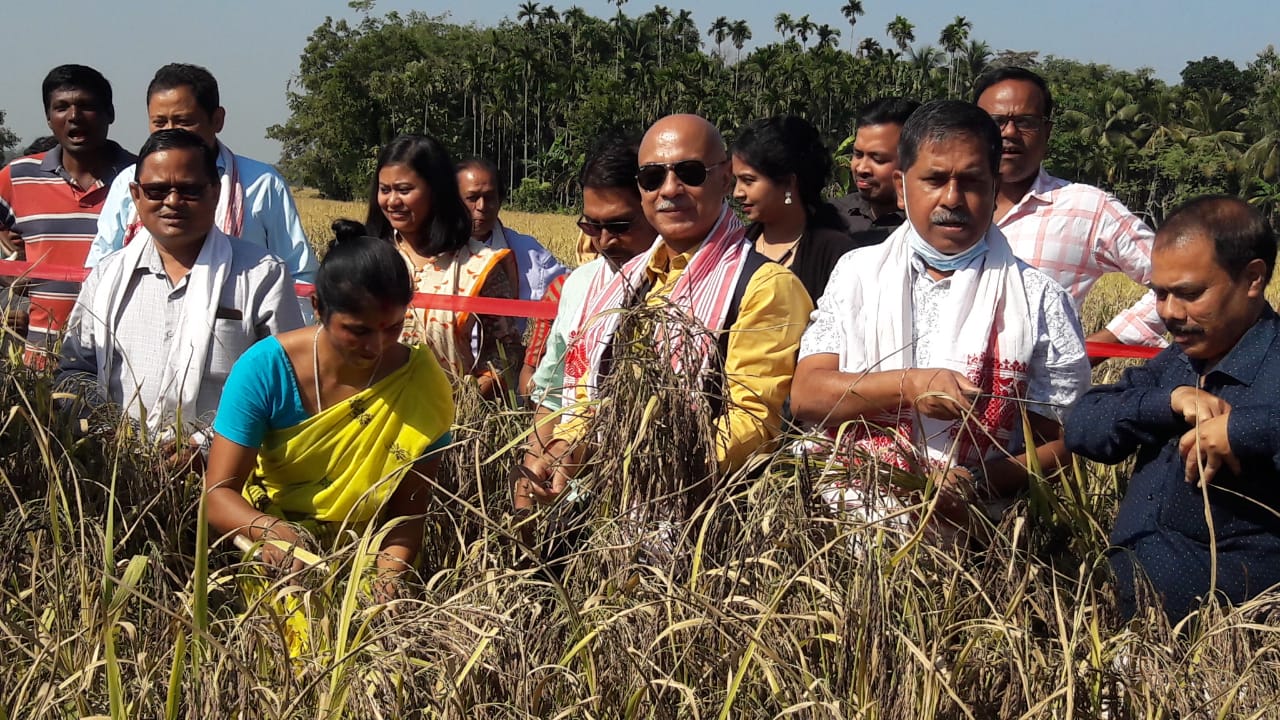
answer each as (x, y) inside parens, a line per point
(690, 172)
(596, 229)
(1023, 123)
(158, 192)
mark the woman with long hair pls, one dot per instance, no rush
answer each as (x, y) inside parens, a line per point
(334, 424)
(781, 167)
(414, 204)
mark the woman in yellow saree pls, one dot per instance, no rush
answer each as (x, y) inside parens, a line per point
(333, 425)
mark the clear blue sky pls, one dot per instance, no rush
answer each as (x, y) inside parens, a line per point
(252, 46)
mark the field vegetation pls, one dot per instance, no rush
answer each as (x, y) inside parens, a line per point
(766, 605)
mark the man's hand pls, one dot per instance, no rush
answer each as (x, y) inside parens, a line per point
(1196, 405)
(956, 492)
(10, 242)
(183, 458)
(938, 393)
(1207, 444)
(542, 476)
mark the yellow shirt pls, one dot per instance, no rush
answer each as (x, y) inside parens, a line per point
(761, 357)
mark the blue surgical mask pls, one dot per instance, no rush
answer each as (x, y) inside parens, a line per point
(935, 258)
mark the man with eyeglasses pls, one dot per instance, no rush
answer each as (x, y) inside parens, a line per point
(614, 222)
(703, 265)
(49, 202)
(1074, 233)
(158, 325)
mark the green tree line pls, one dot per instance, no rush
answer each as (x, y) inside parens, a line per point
(533, 93)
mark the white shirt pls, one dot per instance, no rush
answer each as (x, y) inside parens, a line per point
(1059, 368)
(257, 300)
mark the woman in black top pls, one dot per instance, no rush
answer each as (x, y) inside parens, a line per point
(781, 167)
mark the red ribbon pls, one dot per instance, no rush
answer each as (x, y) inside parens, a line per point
(1106, 350)
(534, 309)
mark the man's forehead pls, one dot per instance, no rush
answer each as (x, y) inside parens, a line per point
(69, 91)
(1010, 91)
(170, 161)
(181, 98)
(475, 176)
(953, 150)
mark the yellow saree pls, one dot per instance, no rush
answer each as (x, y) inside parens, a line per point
(343, 463)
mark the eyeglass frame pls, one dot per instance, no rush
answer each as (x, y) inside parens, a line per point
(148, 190)
(601, 227)
(1021, 123)
(670, 168)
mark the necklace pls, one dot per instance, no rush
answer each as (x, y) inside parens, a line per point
(315, 368)
(790, 249)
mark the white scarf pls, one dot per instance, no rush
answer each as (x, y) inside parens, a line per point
(229, 217)
(188, 353)
(984, 333)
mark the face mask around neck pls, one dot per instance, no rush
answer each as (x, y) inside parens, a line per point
(933, 257)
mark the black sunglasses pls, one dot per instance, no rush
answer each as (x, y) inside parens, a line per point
(690, 172)
(596, 229)
(158, 192)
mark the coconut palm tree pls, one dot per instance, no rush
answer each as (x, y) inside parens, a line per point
(902, 32)
(924, 61)
(805, 27)
(529, 13)
(975, 58)
(785, 26)
(952, 39)
(739, 34)
(682, 26)
(852, 10)
(719, 31)
(1213, 122)
(827, 36)
(869, 48)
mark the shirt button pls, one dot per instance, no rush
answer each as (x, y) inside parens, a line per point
(168, 335)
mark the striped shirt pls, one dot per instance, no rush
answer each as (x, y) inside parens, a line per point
(57, 220)
(1075, 234)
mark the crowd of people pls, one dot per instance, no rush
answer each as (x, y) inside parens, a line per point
(915, 325)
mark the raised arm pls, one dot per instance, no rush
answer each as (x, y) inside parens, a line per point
(1124, 242)
(1111, 421)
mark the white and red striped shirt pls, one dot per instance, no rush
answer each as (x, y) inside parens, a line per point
(1075, 234)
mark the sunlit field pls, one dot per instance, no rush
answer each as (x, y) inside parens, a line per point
(558, 232)
(764, 605)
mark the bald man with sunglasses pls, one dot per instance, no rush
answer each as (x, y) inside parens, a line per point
(702, 264)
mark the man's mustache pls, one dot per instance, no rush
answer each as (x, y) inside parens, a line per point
(1183, 329)
(950, 217)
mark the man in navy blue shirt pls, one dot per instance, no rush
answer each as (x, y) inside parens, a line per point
(1203, 417)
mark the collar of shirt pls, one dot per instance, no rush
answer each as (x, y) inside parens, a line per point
(1242, 361)
(858, 206)
(120, 159)
(221, 165)
(1042, 188)
(663, 271)
(153, 264)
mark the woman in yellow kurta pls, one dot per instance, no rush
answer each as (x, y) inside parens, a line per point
(335, 424)
(414, 203)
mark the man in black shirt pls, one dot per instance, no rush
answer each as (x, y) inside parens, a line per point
(874, 204)
(1203, 418)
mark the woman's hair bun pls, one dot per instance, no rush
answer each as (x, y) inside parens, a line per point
(345, 229)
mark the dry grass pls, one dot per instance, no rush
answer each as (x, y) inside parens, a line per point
(755, 602)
